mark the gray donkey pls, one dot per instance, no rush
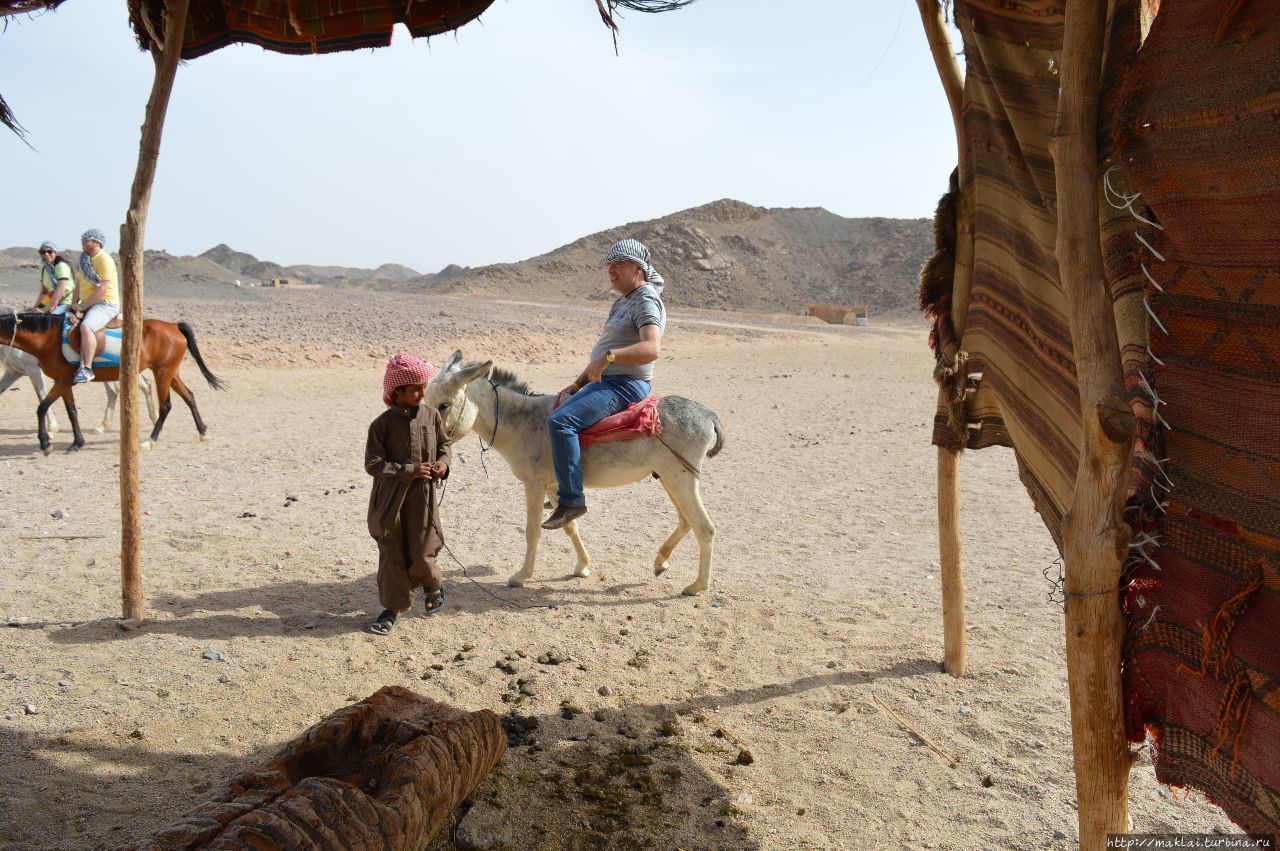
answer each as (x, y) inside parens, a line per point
(503, 411)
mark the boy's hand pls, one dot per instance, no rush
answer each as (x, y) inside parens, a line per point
(424, 471)
(440, 470)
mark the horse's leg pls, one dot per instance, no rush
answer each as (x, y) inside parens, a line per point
(69, 400)
(190, 399)
(682, 529)
(112, 393)
(532, 534)
(163, 380)
(42, 434)
(683, 489)
(144, 387)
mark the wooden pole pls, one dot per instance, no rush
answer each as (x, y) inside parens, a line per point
(944, 57)
(949, 546)
(949, 541)
(1095, 536)
(165, 57)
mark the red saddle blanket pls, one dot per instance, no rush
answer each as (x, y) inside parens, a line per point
(638, 420)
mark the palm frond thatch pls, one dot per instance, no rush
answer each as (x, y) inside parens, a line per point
(20, 7)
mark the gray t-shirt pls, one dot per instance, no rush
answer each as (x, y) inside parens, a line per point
(628, 315)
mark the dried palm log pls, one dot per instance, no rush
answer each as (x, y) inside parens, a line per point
(383, 773)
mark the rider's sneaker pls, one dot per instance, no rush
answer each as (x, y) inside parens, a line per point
(84, 375)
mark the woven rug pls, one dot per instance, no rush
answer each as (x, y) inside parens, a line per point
(1197, 128)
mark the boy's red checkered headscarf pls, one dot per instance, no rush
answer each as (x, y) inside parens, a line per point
(402, 369)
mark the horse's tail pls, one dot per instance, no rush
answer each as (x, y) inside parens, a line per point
(719, 444)
(214, 381)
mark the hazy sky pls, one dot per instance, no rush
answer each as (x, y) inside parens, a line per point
(517, 134)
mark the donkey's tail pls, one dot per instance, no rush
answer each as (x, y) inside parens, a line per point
(719, 444)
(214, 381)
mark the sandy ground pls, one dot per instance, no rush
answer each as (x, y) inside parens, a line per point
(824, 598)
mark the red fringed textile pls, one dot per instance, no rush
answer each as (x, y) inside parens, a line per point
(1197, 125)
(638, 420)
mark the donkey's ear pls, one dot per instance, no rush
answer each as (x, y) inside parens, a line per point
(454, 360)
(471, 373)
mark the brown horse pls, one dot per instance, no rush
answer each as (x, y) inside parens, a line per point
(163, 345)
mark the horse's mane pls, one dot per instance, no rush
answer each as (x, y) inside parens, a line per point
(30, 321)
(507, 379)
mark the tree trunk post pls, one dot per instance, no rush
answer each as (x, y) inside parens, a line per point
(944, 57)
(952, 568)
(1095, 535)
(132, 232)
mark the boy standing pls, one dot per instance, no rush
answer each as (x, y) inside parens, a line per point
(407, 453)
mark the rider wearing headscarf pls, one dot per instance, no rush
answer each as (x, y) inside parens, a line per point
(99, 298)
(56, 291)
(620, 372)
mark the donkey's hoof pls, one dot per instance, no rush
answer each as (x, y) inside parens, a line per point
(583, 571)
(100, 430)
(206, 437)
(695, 588)
(659, 567)
(147, 444)
(516, 580)
(46, 450)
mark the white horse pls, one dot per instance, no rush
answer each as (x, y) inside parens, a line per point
(502, 410)
(18, 363)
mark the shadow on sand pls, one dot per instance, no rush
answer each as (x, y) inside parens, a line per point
(627, 777)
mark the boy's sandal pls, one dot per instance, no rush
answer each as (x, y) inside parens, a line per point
(383, 625)
(432, 599)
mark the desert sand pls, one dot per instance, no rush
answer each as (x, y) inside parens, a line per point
(824, 600)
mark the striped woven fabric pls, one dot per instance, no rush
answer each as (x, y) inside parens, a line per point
(303, 26)
(1012, 320)
(1190, 131)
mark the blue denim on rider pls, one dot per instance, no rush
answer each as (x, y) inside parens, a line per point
(599, 399)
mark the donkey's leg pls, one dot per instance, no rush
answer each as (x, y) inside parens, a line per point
(36, 377)
(112, 394)
(190, 399)
(532, 533)
(163, 380)
(683, 488)
(682, 529)
(69, 400)
(582, 567)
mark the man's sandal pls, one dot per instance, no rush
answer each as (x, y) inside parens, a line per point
(384, 624)
(433, 599)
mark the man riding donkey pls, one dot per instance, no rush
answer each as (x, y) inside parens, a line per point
(99, 299)
(619, 374)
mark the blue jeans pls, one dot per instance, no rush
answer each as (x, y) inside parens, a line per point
(591, 404)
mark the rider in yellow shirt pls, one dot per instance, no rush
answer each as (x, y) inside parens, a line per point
(99, 300)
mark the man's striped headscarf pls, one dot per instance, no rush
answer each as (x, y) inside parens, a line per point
(634, 250)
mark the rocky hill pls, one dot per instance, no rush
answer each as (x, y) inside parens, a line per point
(725, 255)
(731, 256)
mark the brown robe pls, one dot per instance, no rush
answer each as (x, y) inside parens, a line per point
(403, 514)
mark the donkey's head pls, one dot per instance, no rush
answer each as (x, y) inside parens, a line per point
(447, 392)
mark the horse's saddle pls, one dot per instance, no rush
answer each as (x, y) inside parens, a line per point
(108, 349)
(634, 421)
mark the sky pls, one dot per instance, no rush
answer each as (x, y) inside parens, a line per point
(513, 136)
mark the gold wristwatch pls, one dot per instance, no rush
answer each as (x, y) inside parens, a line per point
(609, 355)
